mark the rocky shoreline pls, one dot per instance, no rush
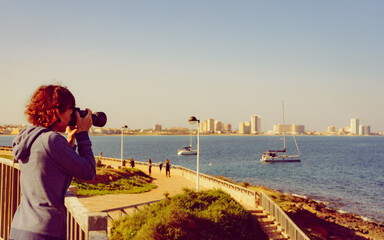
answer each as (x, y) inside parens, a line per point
(320, 222)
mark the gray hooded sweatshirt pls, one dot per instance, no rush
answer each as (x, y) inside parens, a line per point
(47, 163)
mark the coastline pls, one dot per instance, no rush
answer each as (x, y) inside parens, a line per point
(322, 222)
(318, 220)
(217, 134)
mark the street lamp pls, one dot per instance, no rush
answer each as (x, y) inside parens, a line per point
(192, 120)
(122, 147)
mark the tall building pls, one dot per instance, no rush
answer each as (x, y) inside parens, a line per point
(203, 126)
(157, 127)
(255, 124)
(219, 127)
(210, 125)
(364, 130)
(354, 126)
(228, 127)
(245, 127)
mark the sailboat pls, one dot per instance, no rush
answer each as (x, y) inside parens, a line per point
(187, 150)
(281, 155)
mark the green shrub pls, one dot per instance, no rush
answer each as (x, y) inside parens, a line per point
(209, 214)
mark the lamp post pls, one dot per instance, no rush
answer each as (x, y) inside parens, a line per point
(122, 147)
(192, 120)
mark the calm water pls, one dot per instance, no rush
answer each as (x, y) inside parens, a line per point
(345, 172)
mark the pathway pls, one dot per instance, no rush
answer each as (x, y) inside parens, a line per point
(173, 185)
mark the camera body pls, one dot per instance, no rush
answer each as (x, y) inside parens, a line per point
(99, 119)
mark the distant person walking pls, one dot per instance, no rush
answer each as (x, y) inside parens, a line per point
(167, 168)
(160, 166)
(132, 163)
(149, 166)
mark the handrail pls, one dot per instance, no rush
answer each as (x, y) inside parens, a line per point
(288, 226)
(81, 223)
(222, 182)
(121, 210)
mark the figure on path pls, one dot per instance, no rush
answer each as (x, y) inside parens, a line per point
(160, 166)
(167, 168)
(149, 166)
(132, 163)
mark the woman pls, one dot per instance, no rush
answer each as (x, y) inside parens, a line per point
(149, 166)
(48, 162)
(167, 168)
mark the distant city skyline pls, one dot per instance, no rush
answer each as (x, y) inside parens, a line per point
(147, 62)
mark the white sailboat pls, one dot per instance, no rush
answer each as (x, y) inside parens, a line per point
(187, 150)
(281, 155)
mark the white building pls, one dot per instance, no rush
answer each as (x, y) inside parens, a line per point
(245, 127)
(364, 130)
(289, 129)
(211, 125)
(255, 124)
(219, 127)
(354, 126)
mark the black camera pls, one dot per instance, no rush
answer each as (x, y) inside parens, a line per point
(99, 119)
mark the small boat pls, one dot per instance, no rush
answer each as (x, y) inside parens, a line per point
(187, 150)
(281, 155)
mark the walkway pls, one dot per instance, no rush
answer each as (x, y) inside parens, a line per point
(173, 185)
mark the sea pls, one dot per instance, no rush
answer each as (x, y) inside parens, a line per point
(346, 173)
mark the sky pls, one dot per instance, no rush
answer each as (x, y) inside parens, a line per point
(160, 62)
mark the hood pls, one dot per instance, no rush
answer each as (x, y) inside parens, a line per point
(24, 140)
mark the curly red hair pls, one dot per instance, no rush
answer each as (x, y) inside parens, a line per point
(46, 104)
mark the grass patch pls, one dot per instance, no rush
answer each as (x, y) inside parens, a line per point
(7, 157)
(209, 214)
(112, 181)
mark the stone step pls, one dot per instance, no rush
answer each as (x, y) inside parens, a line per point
(274, 232)
(268, 224)
(266, 221)
(270, 227)
(260, 215)
(281, 237)
(256, 210)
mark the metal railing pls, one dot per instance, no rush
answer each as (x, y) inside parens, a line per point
(123, 210)
(9, 195)
(289, 228)
(81, 223)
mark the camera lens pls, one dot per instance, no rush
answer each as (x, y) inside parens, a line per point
(99, 119)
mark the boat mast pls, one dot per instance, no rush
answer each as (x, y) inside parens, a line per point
(283, 125)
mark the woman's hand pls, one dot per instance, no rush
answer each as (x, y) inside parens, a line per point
(84, 124)
(71, 131)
